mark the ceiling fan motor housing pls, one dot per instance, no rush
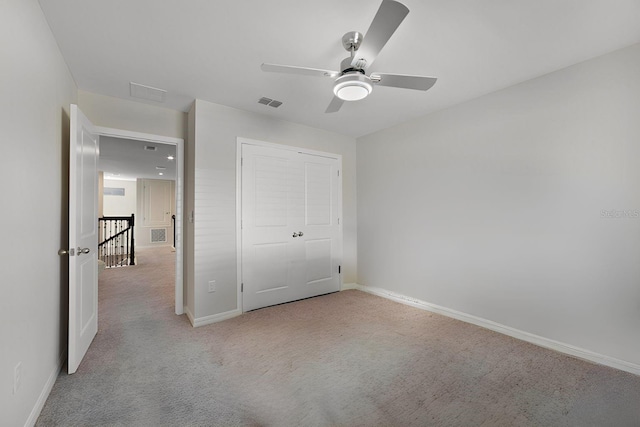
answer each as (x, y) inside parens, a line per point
(346, 67)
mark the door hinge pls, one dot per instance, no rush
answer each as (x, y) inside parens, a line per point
(241, 287)
(338, 173)
(339, 269)
(241, 161)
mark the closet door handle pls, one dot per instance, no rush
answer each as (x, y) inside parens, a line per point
(300, 234)
(295, 234)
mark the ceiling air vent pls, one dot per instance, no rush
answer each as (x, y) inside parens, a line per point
(150, 148)
(270, 102)
(147, 92)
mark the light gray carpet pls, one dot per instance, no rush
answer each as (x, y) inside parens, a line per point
(346, 359)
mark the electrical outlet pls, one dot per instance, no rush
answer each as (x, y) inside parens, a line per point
(17, 377)
(212, 285)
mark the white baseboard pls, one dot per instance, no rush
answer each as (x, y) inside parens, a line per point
(506, 330)
(44, 394)
(214, 318)
(189, 315)
(347, 286)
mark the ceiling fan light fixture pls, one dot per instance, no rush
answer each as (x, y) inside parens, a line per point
(352, 87)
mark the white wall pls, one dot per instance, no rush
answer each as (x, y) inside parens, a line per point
(494, 207)
(37, 89)
(120, 205)
(123, 114)
(214, 156)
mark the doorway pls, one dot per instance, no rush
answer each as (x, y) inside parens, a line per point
(159, 201)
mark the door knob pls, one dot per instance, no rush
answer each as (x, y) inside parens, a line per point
(300, 234)
(295, 234)
(83, 250)
(66, 252)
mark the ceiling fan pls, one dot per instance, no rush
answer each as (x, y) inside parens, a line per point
(354, 82)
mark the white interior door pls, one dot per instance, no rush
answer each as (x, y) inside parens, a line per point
(83, 237)
(156, 210)
(290, 225)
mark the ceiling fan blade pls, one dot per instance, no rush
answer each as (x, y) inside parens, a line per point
(303, 71)
(403, 81)
(387, 20)
(334, 105)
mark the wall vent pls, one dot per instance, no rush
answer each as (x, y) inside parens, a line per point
(113, 191)
(158, 235)
(147, 92)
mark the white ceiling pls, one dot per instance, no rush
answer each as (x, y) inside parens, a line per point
(127, 159)
(212, 50)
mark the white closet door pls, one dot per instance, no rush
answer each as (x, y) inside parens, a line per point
(320, 250)
(290, 231)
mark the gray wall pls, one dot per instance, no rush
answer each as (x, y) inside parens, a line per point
(37, 90)
(216, 129)
(495, 207)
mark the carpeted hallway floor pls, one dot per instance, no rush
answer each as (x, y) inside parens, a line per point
(345, 359)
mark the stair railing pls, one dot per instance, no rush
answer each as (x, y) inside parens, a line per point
(117, 248)
(173, 224)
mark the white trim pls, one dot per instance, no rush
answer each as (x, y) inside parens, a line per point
(214, 318)
(189, 315)
(239, 142)
(349, 286)
(44, 394)
(140, 136)
(179, 197)
(340, 224)
(506, 330)
(238, 223)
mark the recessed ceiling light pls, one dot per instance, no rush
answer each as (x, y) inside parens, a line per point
(170, 157)
(160, 173)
